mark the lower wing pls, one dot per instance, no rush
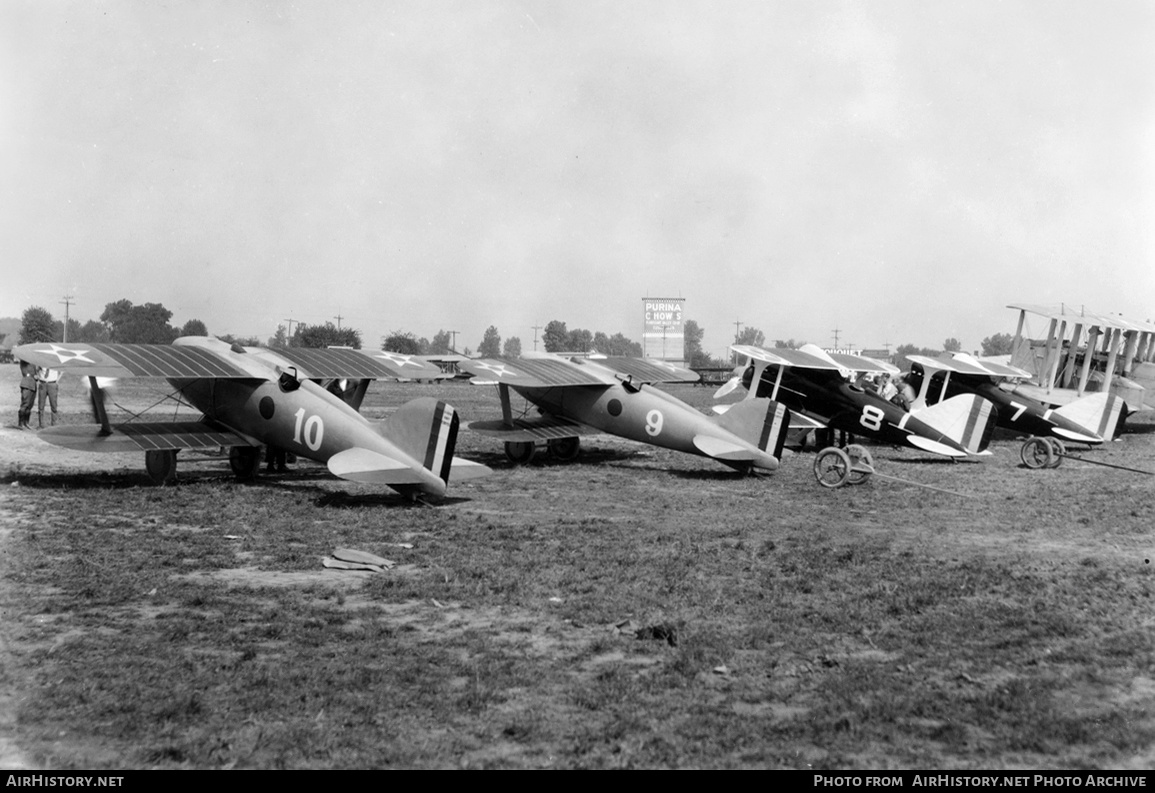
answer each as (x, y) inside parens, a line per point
(144, 436)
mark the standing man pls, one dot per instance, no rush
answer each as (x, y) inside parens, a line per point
(27, 394)
(47, 380)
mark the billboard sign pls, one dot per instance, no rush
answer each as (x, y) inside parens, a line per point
(662, 329)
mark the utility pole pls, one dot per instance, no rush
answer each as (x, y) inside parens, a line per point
(536, 328)
(836, 338)
(338, 318)
(737, 330)
(453, 344)
(67, 301)
(289, 340)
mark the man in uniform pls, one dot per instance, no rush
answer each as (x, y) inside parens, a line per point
(27, 394)
(47, 380)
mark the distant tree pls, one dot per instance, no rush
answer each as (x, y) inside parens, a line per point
(952, 345)
(442, 343)
(327, 335)
(555, 337)
(90, 332)
(998, 344)
(692, 350)
(601, 343)
(194, 327)
(903, 351)
(73, 330)
(579, 340)
(244, 341)
(145, 324)
(624, 347)
(512, 347)
(751, 336)
(423, 346)
(490, 346)
(788, 344)
(401, 342)
(37, 325)
(280, 339)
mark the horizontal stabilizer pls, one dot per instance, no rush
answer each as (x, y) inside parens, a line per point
(467, 469)
(371, 468)
(927, 445)
(1097, 414)
(143, 436)
(967, 419)
(721, 449)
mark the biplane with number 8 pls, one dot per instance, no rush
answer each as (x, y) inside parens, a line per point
(814, 384)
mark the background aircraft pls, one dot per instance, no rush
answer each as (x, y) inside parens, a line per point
(1090, 419)
(574, 397)
(814, 383)
(252, 396)
(1085, 352)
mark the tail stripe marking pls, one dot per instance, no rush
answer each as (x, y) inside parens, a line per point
(1110, 415)
(438, 437)
(772, 428)
(978, 411)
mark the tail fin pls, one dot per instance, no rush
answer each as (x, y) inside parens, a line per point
(967, 419)
(1096, 413)
(426, 430)
(759, 421)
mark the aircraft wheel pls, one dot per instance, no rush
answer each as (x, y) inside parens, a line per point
(1059, 450)
(1037, 453)
(832, 467)
(859, 459)
(565, 449)
(245, 461)
(161, 465)
(520, 452)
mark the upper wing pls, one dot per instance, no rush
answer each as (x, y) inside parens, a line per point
(129, 360)
(812, 357)
(345, 362)
(966, 364)
(648, 370)
(535, 372)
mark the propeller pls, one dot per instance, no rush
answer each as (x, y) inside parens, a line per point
(728, 386)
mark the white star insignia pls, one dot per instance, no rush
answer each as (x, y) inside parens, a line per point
(499, 369)
(64, 355)
(395, 358)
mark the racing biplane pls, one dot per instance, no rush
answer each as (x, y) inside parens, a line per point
(1085, 352)
(570, 397)
(814, 384)
(1091, 419)
(300, 400)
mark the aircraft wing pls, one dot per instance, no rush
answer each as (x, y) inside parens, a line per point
(144, 436)
(535, 372)
(345, 362)
(860, 363)
(784, 357)
(129, 360)
(537, 428)
(949, 365)
(648, 370)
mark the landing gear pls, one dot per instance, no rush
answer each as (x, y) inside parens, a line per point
(565, 449)
(520, 452)
(834, 467)
(160, 465)
(1037, 453)
(245, 461)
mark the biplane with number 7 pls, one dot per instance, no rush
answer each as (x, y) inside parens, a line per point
(300, 400)
(814, 384)
(567, 397)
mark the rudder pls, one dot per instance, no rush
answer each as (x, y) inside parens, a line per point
(759, 421)
(425, 429)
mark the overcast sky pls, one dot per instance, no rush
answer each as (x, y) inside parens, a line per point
(897, 170)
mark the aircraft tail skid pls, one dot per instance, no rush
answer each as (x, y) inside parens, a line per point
(760, 422)
(967, 419)
(1098, 414)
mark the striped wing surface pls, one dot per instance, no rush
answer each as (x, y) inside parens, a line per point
(129, 360)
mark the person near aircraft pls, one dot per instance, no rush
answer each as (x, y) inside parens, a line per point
(887, 389)
(48, 386)
(904, 394)
(27, 395)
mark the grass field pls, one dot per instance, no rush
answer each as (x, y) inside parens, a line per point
(637, 608)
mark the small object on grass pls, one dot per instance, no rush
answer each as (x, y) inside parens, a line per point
(436, 603)
(556, 600)
(722, 670)
(626, 626)
(661, 632)
(341, 564)
(361, 557)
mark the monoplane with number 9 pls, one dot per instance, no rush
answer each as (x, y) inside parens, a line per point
(299, 400)
(578, 396)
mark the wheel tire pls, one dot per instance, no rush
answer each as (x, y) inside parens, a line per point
(832, 467)
(245, 462)
(520, 452)
(1059, 449)
(859, 458)
(160, 465)
(1037, 453)
(565, 449)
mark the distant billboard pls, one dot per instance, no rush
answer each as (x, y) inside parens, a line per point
(662, 328)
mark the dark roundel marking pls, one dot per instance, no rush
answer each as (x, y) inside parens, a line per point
(266, 407)
(614, 407)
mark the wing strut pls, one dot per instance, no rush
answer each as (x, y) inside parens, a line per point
(97, 394)
(506, 410)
